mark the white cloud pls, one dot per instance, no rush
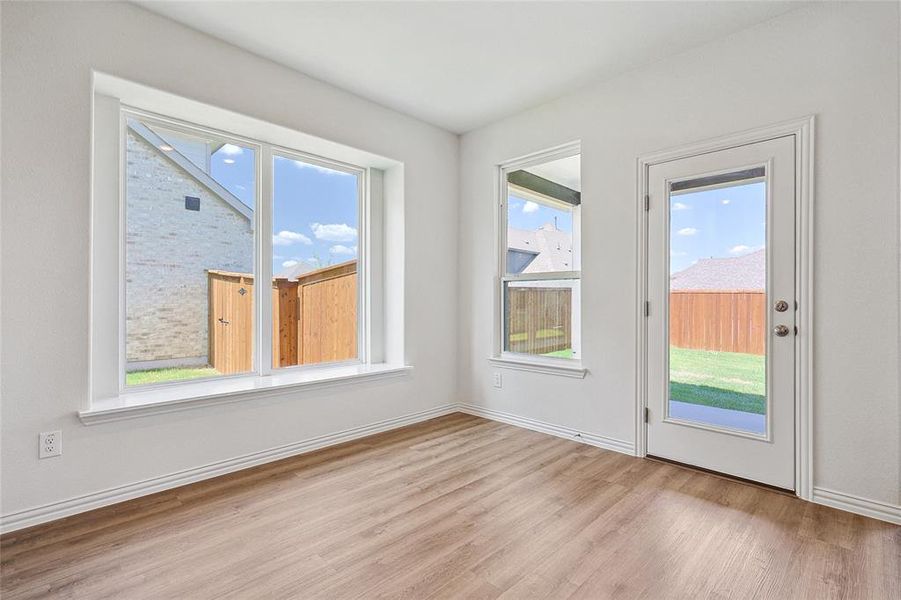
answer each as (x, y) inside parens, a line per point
(743, 249)
(334, 232)
(286, 238)
(680, 206)
(677, 253)
(687, 231)
(231, 150)
(529, 206)
(725, 201)
(341, 249)
(289, 263)
(325, 171)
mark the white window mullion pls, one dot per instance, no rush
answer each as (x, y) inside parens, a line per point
(364, 267)
(553, 275)
(263, 272)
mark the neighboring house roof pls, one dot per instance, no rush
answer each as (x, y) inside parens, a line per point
(145, 133)
(746, 272)
(553, 249)
(295, 271)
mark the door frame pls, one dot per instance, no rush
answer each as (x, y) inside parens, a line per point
(803, 131)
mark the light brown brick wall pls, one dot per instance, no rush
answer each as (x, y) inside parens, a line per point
(168, 250)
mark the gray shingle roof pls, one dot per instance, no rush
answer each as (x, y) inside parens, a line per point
(746, 272)
(295, 271)
(554, 248)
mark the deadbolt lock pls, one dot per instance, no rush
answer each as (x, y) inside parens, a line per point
(781, 306)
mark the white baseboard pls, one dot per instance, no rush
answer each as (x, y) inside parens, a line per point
(57, 510)
(72, 506)
(571, 434)
(861, 506)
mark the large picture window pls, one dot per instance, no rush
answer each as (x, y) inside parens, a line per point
(195, 201)
(540, 262)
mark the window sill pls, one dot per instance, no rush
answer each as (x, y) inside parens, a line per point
(550, 366)
(203, 393)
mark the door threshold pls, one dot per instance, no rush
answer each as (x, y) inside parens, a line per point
(726, 476)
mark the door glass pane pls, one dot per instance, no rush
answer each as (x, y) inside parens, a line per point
(717, 300)
(315, 247)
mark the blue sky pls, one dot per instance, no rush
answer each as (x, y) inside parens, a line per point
(315, 216)
(232, 166)
(525, 214)
(315, 209)
(717, 223)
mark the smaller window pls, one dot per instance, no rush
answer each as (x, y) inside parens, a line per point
(540, 292)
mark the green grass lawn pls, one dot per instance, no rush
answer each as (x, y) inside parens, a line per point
(721, 379)
(164, 375)
(565, 353)
(541, 334)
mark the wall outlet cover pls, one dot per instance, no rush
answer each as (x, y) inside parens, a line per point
(51, 444)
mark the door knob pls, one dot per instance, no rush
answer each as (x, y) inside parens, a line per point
(781, 330)
(781, 306)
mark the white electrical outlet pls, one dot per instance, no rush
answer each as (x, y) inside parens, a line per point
(498, 382)
(51, 444)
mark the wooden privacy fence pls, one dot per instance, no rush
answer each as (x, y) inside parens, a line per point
(539, 319)
(314, 318)
(722, 320)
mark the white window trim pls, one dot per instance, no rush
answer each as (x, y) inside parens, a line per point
(222, 390)
(549, 366)
(568, 367)
(380, 352)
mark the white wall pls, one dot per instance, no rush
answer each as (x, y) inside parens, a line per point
(48, 51)
(839, 62)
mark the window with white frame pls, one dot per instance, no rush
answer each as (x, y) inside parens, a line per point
(540, 261)
(196, 202)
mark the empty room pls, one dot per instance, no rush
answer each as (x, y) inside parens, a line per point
(440, 300)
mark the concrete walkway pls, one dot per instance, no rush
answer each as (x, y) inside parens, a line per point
(722, 417)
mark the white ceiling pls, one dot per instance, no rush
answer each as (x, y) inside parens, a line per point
(462, 65)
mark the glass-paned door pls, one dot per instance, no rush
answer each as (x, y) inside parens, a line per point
(721, 328)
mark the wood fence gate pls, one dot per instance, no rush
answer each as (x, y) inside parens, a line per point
(314, 318)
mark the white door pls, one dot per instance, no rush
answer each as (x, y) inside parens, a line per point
(721, 322)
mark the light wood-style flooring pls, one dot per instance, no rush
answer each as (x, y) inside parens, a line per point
(458, 507)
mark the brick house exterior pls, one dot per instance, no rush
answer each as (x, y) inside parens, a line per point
(169, 250)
